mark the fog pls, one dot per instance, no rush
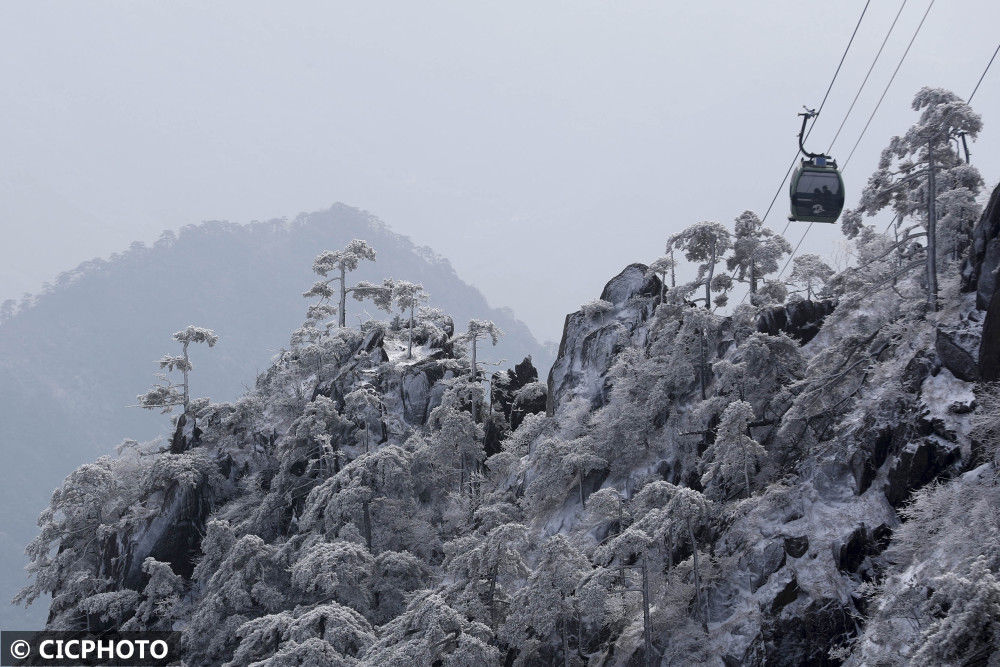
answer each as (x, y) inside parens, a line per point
(539, 146)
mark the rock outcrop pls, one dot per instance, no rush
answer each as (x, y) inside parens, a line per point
(589, 344)
(799, 319)
(980, 269)
(989, 349)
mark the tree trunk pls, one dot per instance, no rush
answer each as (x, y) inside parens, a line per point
(366, 509)
(565, 645)
(647, 631)
(746, 470)
(697, 578)
(708, 280)
(704, 363)
(187, 397)
(342, 310)
(409, 347)
(673, 274)
(753, 278)
(932, 284)
(493, 589)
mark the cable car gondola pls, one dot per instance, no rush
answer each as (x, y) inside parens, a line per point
(816, 189)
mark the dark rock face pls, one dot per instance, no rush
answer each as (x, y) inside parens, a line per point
(632, 281)
(854, 555)
(416, 389)
(806, 637)
(785, 597)
(762, 563)
(865, 462)
(980, 268)
(506, 392)
(801, 320)
(589, 344)
(955, 357)
(989, 349)
(916, 371)
(796, 547)
(916, 465)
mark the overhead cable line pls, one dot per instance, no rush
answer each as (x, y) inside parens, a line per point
(983, 75)
(888, 85)
(867, 75)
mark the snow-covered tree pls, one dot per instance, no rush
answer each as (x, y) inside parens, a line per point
(549, 604)
(166, 396)
(432, 632)
(161, 604)
(661, 266)
(811, 273)
(597, 309)
(364, 405)
(734, 456)
(408, 297)
(486, 564)
(986, 420)
(910, 165)
(756, 251)
(249, 581)
(338, 570)
(704, 243)
(966, 612)
(339, 263)
(480, 330)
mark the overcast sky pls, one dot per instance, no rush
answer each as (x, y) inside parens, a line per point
(540, 146)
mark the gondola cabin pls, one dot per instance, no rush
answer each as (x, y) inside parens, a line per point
(817, 191)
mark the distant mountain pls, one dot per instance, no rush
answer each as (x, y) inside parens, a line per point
(73, 358)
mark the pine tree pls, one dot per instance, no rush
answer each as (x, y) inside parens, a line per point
(704, 243)
(907, 169)
(339, 263)
(734, 455)
(811, 272)
(166, 396)
(756, 252)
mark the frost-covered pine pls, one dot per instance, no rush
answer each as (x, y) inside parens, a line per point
(408, 297)
(810, 272)
(704, 243)
(756, 251)
(161, 604)
(480, 330)
(430, 631)
(549, 605)
(966, 612)
(365, 406)
(339, 263)
(166, 396)
(734, 457)
(597, 309)
(661, 266)
(901, 184)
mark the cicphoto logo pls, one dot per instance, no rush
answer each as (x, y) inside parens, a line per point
(80, 648)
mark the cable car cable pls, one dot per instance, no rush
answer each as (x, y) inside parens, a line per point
(974, 90)
(867, 75)
(887, 86)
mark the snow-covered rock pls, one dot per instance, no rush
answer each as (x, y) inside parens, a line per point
(588, 344)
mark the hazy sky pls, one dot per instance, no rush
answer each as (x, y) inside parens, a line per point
(540, 146)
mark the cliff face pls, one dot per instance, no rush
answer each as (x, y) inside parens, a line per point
(589, 343)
